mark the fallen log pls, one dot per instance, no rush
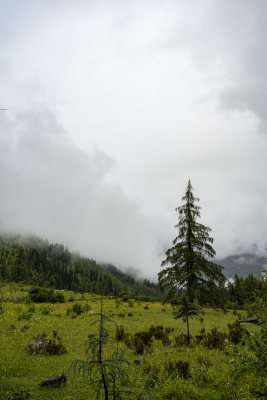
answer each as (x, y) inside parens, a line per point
(252, 320)
(56, 381)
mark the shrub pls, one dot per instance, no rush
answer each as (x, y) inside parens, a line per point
(118, 302)
(87, 307)
(179, 367)
(141, 341)
(144, 297)
(77, 308)
(45, 310)
(53, 346)
(181, 340)
(130, 303)
(235, 332)
(215, 339)
(31, 309)
(201, 335)
(128, 340)
(24, 328)
(15, 394)
(169, 329)
(157, 331)
(203, 360)
(165, 339)
(25, 315)
(42, 295)
(120, 333)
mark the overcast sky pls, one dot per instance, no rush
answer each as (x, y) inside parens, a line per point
(113, 105)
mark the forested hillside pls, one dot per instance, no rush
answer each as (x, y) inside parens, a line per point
(53, 265)
(242, 265)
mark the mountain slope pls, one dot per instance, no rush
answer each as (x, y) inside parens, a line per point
(242, 265)
(53, 265)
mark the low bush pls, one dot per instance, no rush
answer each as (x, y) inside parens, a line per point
(157, 331)
(87, 307)
(77, 308)
(181, 340)
(201, 336)
(24, 316)
(120, 333)
(42, 295)
(52, 346)
(31, 309)
(204, 360)
(15, 394)
(215, 339)
(169, 329)
(118, 302)
(130, 303)
(45, 310)
(165, 339)
(25, 328)
(177, 367)
(141, 341)
(144, 297)
(235, 332)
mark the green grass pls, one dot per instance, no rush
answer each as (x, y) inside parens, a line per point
(210, 369)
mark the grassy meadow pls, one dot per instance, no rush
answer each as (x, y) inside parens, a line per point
(21, 322)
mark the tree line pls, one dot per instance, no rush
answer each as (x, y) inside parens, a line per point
(54, 266)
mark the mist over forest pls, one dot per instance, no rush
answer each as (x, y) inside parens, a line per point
(109, 108)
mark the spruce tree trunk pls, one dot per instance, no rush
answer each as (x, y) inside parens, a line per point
(188, 334)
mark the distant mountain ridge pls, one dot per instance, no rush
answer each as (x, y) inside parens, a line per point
(242, 265)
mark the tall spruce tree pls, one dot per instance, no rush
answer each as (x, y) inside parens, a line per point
(188, 267)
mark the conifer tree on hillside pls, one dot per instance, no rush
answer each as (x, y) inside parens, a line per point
(188, 266)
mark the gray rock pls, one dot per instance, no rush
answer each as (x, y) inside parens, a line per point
(38, 344)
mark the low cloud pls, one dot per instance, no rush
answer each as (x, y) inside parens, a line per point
(53, 189)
